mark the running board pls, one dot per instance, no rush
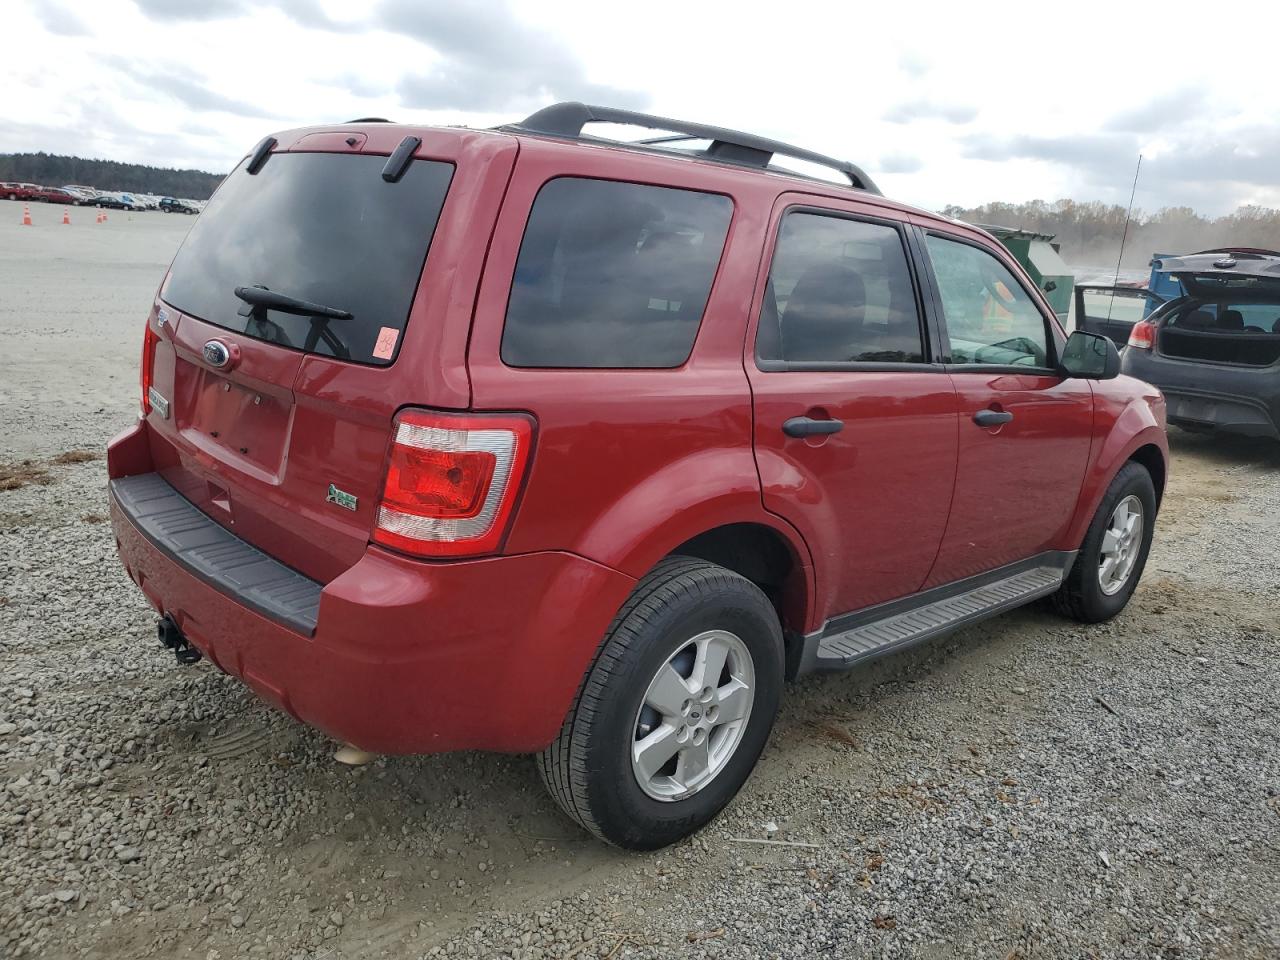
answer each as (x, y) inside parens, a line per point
(890, 627)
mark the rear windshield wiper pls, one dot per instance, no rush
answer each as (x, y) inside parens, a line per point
(258, 299)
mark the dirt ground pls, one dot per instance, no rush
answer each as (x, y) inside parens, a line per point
(1027, 788)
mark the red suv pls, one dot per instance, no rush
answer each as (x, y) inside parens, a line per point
(531, 441)
(52, 195)
(19, 191)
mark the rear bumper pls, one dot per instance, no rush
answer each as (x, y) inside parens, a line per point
(1211, 411)
(405, 656)
(1206, 396)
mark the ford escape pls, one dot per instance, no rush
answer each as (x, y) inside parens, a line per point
(533, 441)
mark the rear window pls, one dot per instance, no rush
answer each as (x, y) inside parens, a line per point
(320, 227)
(1236, 317)
(1238, 332)
(613, 274)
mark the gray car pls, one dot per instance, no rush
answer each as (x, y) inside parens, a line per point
(1215, 351)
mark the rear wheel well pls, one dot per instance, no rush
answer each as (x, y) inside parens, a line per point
(1152, 459)
(763, 556)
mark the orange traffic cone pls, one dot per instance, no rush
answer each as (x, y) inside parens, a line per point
(66, 217)
(104, 218)
(99, 219)
(26, 215)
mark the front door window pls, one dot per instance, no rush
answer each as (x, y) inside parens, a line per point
(991, 320)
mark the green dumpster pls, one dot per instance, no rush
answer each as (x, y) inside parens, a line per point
(1039, 256)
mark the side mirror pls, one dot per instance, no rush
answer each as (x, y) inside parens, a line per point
(1089, 356)
(1050, 286)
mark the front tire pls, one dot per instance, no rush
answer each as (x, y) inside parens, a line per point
(675, 710)
(1114, 552)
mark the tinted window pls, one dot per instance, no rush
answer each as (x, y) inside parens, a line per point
(613, 275)
(990, 318)
(1115, 306)
(320, 227)
(839, 290)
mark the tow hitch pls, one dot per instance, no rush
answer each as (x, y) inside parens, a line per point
(172, 638)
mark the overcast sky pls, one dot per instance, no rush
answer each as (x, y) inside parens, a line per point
(965, 103)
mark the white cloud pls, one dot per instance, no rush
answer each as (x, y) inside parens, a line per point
(940, 103)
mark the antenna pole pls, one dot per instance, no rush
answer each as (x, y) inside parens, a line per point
(1124, 236)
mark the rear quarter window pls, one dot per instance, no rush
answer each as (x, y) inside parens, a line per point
(613, 274)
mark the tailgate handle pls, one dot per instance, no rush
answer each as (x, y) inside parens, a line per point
(808, 427)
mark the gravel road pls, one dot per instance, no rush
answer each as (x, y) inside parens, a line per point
(1025, 789)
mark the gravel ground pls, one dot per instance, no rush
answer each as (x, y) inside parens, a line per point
(1025, 789)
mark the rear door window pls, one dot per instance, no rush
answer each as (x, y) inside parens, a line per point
(613, 274)
(320, 227)
(1125, 305)
(839, 291)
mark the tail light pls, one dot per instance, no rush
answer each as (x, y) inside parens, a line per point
(1143, 335)
(452, 482)
(149, 341)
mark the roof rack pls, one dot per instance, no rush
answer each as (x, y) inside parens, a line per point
(728, 146)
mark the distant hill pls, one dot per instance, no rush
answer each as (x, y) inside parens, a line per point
(107, 175)
(1090, 232)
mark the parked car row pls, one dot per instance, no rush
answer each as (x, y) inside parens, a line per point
(33, 191)
(80, 195)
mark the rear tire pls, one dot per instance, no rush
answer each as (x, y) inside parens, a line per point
(1091, 593)
(677, 618)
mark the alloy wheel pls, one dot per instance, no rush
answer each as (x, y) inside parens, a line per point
(694, 713)
(1121, 545)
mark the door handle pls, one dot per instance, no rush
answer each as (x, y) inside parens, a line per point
(809, 427)
(992, 418)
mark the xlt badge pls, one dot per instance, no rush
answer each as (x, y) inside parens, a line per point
(159, 403)
(342, 498)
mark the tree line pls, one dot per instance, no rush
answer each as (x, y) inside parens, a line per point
(51, 170)
(1090, 232)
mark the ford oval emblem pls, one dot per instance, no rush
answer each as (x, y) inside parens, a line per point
(1226, 263)
(216, 354)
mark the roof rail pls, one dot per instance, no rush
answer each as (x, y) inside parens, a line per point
(728, 146)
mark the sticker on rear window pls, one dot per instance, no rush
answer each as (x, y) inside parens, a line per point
(386, 344)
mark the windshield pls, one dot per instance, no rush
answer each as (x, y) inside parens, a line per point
(318, 227)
